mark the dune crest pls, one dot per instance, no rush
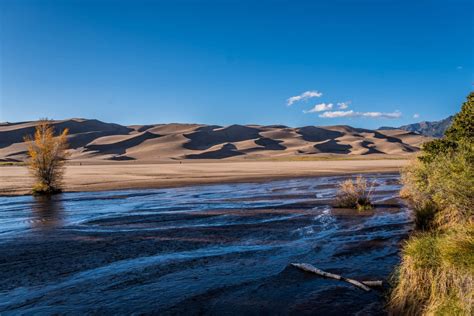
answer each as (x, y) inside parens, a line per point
(96, 140)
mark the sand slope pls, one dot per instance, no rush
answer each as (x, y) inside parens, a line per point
(95, 140)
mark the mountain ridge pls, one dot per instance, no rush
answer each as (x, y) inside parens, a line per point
(426, 128)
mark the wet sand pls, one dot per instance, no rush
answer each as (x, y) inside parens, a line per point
(15, 180)
(210, 249)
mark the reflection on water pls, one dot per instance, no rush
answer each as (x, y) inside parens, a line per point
(216, 249)
(47, 212)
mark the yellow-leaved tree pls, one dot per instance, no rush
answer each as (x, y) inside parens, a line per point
(47, 157)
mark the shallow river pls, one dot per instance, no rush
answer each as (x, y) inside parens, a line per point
(214, 249)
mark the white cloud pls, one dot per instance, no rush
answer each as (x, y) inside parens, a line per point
(343, 105)
(320, 107)
(303, 97)
(334, 114)
(351, 113)
(416, 115)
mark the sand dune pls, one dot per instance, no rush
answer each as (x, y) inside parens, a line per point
(96, 140)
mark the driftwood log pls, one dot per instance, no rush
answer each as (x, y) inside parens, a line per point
(312, 269)
(376, 283)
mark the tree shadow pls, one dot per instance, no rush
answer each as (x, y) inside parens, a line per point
(47, 213)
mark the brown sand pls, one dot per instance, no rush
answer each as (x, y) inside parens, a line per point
(92, 140)
(15, 180)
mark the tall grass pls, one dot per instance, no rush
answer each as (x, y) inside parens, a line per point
(436, 274)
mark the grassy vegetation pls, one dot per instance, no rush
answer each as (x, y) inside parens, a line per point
(12, 163)
(47, 154)
(436, 275)
(323, 157)
(355, 194)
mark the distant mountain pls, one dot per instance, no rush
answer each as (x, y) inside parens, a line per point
(431, 129)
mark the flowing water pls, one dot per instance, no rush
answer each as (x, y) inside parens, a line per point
(214, 249)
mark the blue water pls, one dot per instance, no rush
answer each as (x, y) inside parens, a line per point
(214, 249)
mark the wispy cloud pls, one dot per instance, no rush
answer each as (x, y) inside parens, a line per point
(335, 114)
(351, 113)
(416, 115)
(320, 107)
(343, 105)
(303, 97)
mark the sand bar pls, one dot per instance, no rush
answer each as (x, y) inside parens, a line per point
(15, 180)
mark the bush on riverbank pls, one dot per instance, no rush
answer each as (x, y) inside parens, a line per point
(355, 194)
(436, 275)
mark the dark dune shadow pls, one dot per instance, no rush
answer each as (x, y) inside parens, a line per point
(270, 144)
(82, 139)
(276, 126)
(121, 158)
(21, 152)
(332, 146)
(405, 147)
(317, 134)
(228, 150)
(388, 138)
(144, 128)
(75, 127)
(209, 136)
(371, 150)
(119, 148)
(47, 213)
(15, 136)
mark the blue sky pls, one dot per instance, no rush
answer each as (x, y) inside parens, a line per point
(226, 62)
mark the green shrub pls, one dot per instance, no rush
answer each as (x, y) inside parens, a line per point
(436, 275)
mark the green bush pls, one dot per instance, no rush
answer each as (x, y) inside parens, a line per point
(436, 275)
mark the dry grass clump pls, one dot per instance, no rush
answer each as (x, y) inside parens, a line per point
(437, 276)
(355, 194)
(47, 154)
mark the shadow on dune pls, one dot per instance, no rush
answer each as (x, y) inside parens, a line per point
(317, 134)
(371, 150)
(270, 144)
(227, 150)
(88, 129)
(82, 139)
(120, 147)
(208, 136)
(333, 146)
(121, 158)
(390, 139)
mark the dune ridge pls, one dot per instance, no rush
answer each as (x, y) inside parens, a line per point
(99, 141)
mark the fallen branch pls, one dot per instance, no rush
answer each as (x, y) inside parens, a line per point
(310, 268)
(373, 283)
